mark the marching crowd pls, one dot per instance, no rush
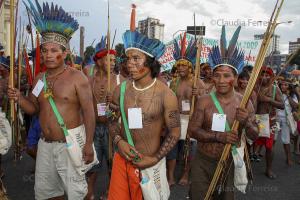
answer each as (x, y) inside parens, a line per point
(121, 112)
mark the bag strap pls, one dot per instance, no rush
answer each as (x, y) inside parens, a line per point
(59, 118)
(220, 110)
(91, 72)
(124, 119)
(177, 84)
(274, 92)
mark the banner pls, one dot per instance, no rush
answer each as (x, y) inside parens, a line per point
(250, 47)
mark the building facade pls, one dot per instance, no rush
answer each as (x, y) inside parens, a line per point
(152, 28)
(5, 26)
(276, 60)
(293, 46)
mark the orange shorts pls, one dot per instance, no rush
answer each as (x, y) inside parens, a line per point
(124, 181)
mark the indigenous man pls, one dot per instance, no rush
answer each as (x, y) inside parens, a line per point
(90, 70)
(242, 83)
(182, 86)
(149, 105)
(269, 98)
(101, 97)
(206, 73)
(207, 117)
(285, 117)
(4, 75)
(55, 172)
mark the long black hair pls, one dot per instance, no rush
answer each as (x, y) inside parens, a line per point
(154, 66)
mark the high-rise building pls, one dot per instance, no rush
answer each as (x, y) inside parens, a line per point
(274, 45)
(276, 60)
(152, 28)
(293, 46)
(5, 25)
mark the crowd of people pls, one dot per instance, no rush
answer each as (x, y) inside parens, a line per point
(122, 114)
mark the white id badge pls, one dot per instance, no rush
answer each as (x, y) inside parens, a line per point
(135, 119)
(218, 122)
(185, 105)
(38, 88)
(101, 109)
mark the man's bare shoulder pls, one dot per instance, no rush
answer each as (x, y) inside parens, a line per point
(204, 101)
(76, 75)
(163, 88)
(201, 83)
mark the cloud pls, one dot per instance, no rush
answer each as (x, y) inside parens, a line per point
(177, 14)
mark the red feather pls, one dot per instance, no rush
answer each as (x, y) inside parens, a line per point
(37, 68)
(183, 47)
(28, 69)
(132, 19)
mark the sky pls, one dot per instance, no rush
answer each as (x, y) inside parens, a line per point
(253, 15)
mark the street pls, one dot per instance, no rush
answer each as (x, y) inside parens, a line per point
(19, 180)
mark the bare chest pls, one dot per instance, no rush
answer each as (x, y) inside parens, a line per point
(228, 108)
(184, 91)
(150, 102)
(63, 90)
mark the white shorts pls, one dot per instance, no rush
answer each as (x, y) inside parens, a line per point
(284, 130)
(55, 174)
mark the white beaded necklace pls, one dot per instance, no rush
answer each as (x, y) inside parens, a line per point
(146, 88)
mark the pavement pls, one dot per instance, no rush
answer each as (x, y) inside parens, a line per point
(19, 180)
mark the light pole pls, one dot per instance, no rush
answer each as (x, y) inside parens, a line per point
(273, 50)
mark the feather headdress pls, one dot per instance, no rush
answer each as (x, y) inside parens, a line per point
(185, 52)
(52, 22)
(5, 62)
(101, 45)
(134, 40)
(231, 56)
(101, 50)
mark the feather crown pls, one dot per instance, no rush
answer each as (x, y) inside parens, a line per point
(134, 40)
(232, 56)
(101, 45)
(185, 52)
(5, 62)
(52, 22)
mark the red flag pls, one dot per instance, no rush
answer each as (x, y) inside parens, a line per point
(37, 68)
(28, 69)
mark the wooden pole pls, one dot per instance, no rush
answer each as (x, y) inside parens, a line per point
(196, 77)
(197, 73)
(12, 57)
(109, 86)
(108, 48)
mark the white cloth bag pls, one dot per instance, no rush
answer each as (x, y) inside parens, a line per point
(240, 171)
(292, 123)
(75, 144)
(263, 121)
(5, 134)
(154, 182)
